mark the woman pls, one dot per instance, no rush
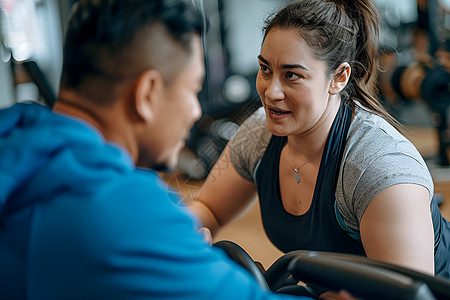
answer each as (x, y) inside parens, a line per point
(331, 170)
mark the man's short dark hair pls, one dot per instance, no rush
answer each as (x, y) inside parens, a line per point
(103, 41)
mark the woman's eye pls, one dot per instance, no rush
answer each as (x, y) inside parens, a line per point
(264, 68)
(290, 75)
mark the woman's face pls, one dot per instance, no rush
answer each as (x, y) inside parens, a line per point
(293, 85)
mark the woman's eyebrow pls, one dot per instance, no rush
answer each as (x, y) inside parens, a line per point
(295, 66)
(286, 66)
(263, 60)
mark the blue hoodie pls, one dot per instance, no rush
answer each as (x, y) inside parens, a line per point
(79, 221)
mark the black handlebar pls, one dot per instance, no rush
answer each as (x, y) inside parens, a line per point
(361, 276)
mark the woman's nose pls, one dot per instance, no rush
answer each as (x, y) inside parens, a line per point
(274, 90)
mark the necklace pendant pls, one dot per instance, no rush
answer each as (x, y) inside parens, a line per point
(297, 177)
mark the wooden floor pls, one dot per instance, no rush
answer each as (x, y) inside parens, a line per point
(248, 231)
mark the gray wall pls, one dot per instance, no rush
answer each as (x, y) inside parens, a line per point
(244, 21)
(6, 85)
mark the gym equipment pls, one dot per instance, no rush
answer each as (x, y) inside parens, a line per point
(320, 271)
(432, 85)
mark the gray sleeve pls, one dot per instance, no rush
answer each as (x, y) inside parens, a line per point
(374, 160)
(249, 144)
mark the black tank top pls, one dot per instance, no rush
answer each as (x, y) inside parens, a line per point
(318, 228)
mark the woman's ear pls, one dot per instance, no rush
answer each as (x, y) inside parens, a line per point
(341, 76)
(147, 91)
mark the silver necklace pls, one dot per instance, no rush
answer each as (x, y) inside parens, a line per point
(297, 170)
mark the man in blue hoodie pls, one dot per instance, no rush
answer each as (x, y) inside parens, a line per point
(83, 214)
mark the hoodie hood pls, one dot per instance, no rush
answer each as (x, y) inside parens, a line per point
(38, 148)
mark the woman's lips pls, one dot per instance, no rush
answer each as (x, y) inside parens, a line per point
(277, 114)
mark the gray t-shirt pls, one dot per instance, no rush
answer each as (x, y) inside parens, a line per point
(376, 157)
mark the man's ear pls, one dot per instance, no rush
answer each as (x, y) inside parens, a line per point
(147, 91)
(341, 76)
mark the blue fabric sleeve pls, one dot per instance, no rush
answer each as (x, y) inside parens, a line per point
(130, 242)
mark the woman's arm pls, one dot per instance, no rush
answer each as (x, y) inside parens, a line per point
(397, 227)
(224, 195)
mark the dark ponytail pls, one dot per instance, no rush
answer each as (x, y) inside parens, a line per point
(365, 66)
(340, 31)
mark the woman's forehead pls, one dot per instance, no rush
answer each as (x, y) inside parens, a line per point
(286, 46)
